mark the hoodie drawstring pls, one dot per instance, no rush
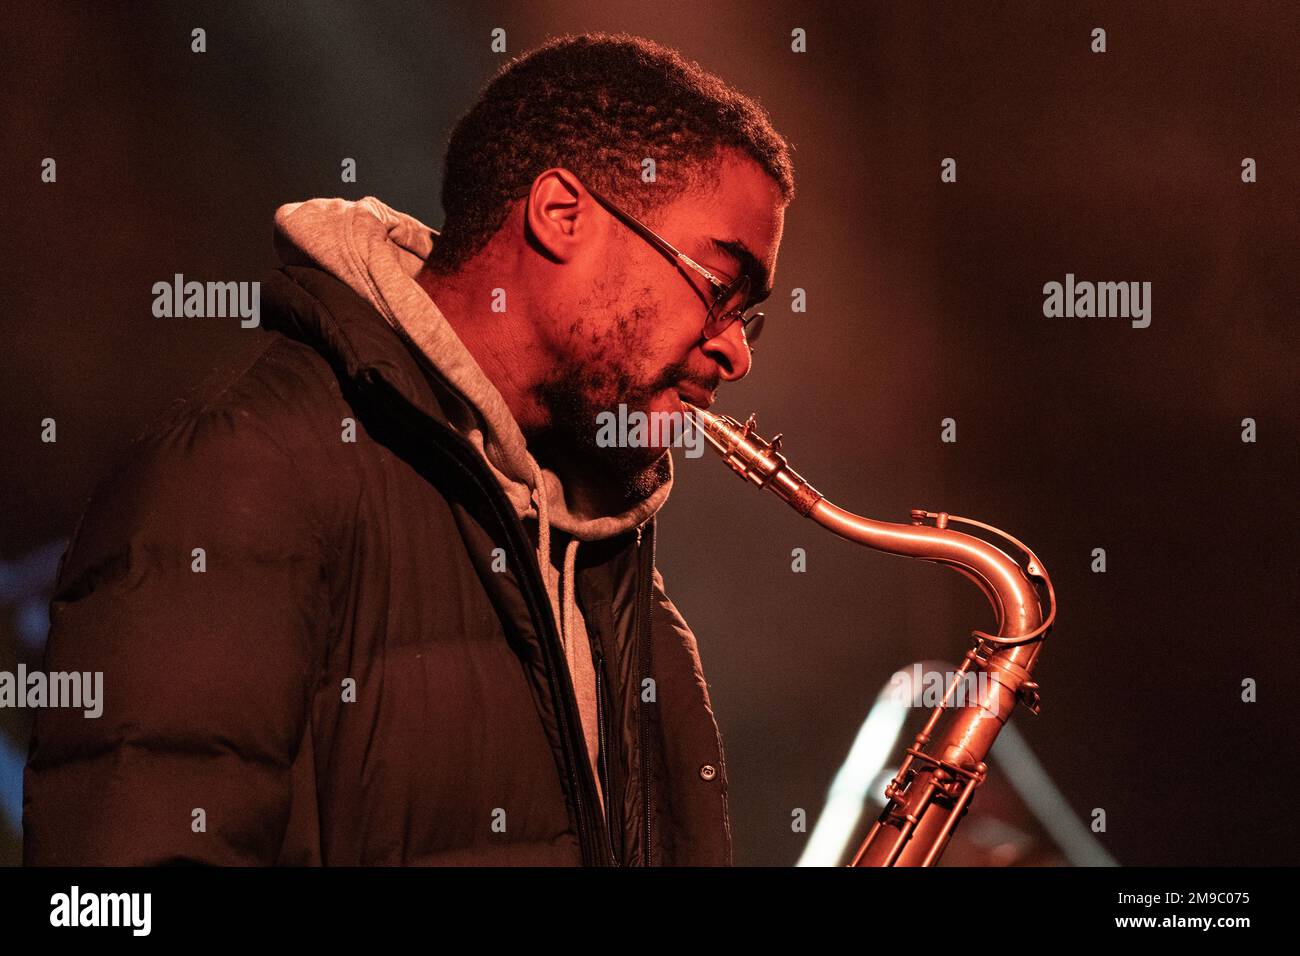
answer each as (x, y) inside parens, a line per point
(564, 613)
(567, 603)
(577, 652)
(543, 526)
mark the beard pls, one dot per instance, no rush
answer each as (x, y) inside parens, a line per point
(574, 395)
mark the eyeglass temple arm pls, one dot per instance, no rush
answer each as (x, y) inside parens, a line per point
(663, 245)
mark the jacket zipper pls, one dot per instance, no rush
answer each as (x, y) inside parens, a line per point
(646, 665)
(602, 757)
(530, 577)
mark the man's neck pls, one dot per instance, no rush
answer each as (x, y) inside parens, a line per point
(503, 343)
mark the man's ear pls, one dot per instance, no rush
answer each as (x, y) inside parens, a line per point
(555, 213)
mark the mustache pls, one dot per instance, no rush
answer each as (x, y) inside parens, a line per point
(681, 374)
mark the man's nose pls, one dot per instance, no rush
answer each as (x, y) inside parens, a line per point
(730, 351)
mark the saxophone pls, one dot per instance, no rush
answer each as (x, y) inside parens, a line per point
(933, 787)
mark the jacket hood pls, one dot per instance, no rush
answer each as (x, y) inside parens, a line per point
(377, 251)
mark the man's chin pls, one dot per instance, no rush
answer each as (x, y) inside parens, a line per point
(612, 452)
(611, 479)
(634, 473)
(644, 483)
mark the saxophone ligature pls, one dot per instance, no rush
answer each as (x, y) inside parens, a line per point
(933, 787)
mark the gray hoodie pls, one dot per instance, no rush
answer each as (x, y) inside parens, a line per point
(377, 251)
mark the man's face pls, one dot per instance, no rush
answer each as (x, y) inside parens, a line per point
(632, 330)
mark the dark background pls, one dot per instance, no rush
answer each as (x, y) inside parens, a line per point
(924, 302)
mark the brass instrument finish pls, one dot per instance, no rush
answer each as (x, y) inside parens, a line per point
(945, 764)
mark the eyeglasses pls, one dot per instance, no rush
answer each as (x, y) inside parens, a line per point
(728, 298)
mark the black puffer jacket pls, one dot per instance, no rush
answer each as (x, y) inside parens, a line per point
(328, 565)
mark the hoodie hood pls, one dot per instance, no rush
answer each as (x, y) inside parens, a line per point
(377, 251)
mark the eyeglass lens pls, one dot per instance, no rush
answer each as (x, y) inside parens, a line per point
(729, 307)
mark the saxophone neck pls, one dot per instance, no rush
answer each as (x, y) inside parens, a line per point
(1007, 586)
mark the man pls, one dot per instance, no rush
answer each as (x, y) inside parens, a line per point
(376, 594)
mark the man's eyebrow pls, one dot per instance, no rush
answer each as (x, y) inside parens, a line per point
(749, 265)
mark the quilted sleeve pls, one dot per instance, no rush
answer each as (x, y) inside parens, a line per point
(195, 584)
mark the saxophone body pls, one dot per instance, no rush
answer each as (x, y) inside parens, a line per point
(933, 787)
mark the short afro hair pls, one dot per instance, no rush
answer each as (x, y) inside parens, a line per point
(596, 104)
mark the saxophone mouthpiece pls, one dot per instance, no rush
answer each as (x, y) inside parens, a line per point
(700, 415)
(751, 456)
(710, 424)
(725, 434)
